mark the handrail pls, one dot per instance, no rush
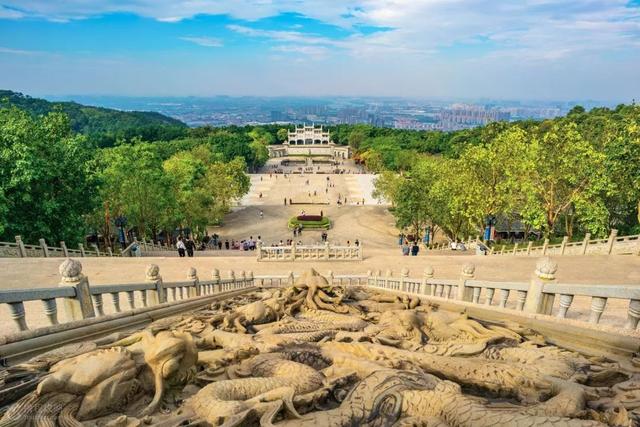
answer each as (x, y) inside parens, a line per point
(8, 296)
(82, 301)
(613, 245)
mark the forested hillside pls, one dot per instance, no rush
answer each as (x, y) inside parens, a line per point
(103, 126)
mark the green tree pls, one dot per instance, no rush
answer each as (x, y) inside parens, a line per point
(185, 171)
(387, 185)
(569, 175)
(225, 182)
(282, 134)
(491, 178)
(260, 140)
(46, 189)
(134, 184)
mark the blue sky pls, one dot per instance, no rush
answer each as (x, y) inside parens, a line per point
(524, 49)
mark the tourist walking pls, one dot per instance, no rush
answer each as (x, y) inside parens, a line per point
(181, 247)
(405, 249)
(261, 214)
(226, 244)
(415, 249)
(191, 246)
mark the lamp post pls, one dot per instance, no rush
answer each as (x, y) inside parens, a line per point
(121, 222)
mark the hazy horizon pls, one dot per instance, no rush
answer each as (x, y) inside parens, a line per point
(444, 99)
(550, 50)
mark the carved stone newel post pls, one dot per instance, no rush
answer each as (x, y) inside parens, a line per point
(427, 275)
(80, 306)
(536, 300)
(465, 293)
(156, 295)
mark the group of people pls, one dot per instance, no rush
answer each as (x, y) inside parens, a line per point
(408, 244)
(410, 248)
(185, 246)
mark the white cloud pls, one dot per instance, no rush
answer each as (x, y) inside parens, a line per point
(563, 47)
(314, 52)
(204, 41)
(555, 28)
(6, 13)
(10, 51)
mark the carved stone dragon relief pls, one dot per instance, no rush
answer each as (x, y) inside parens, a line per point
(318, 354)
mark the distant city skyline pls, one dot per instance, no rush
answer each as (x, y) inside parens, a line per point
(401, 113)
(551, 50)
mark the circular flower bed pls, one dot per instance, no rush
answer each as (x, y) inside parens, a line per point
(310, 222)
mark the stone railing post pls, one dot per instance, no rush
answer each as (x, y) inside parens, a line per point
(633, 314)
(387, 276)
(259, 249)
(194, 290)
(243, 279)
(563, 246)
(232, 277)
(529, 246)
(359, 249)
(97, 248)
(467, 273)
(545, 245)
(65, 251)
(427, 275)
(81, 247)
(215, 276)
(157, 295)
(585, 243)
(250, 278)
(45, 248)
(404, 275)
(78, 307)
(374, 278)
(22, 251)
(293, 251)
(515, 248)
(109, 251)
(612, 240)
(537, 301)
(597, 307)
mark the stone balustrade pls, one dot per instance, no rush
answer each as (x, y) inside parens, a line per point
(19, 249)
(326, 252)
(535, 297)
(284, 280)
(612, 245)
(83, 301)
(91, 309)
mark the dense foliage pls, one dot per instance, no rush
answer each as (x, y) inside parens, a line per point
(102, 126)
(46, 187)
(575, 174)
(67, 170)
(58, 184)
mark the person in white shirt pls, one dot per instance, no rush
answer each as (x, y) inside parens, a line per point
(181, 247)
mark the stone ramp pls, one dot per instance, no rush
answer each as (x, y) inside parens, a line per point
(361, 186)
